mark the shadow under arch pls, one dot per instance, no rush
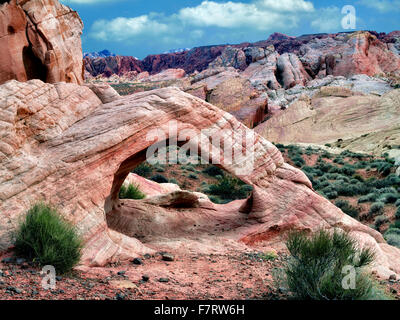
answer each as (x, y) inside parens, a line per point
(113, 202)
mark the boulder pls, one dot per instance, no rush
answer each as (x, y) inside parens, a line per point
(40, 39)
(230, 57)
(104, 92)
(291, 71)
(238, 97)
(168, 74)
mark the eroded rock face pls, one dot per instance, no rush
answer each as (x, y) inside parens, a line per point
(40, 39)
(349, 54)
(230, 57)
(108, 66)
(169, 74)
(337, 113)
(61, 145)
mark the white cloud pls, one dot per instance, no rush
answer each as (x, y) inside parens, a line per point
(120, 29)
(328, 20)
(381, 5)
(261, 14)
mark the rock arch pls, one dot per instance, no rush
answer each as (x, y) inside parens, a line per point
(70, 149)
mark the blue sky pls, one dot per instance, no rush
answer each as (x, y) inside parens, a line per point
(142, 27)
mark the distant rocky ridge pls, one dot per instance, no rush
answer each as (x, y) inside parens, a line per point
(101, 54)
(304, 47)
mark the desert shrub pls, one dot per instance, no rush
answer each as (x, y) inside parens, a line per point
(389, 197)
(213, 171)
(385, 169)
(298, 161)
(370, 197)
(395, 225)
(131, 192)
(397, 214)
(215, 200)
(193, 176)
(393, 237)
(314, 270)
(358, 177)
(347, 208)
(331, 195)
(173, 180)
(268, 256)
(48, 239)
(338, 160)
(143, 169)
(376, 208)
(159, 178)
(229, 188)
(397, 204)
(380, 220)
(347, 170)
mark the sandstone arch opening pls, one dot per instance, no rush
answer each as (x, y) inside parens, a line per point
(179, 199)
(34, 68)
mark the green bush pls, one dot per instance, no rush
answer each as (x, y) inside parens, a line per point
(159, 178)
(376, 208)
(213, 171)
(48, 239)
(193, 176)
(380, 220)
(392, 237)
(314, 270)
(143, 169)
(397, 214)
(397, 204)
(390, 197)
(131, 192)
(347, 208)
(229, 188)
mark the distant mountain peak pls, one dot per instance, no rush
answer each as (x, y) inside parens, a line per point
(100, 54)
(177, 50)
(279, 36)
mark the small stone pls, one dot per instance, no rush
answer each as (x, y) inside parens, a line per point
(147, 256)
(392, 277)
(58, 278)
(164, 280)
(14, 289)
(121, 273)
(137, 261)
(120, 296)
(8, 260)
(145, 278)
(167, 257)
(20, 261)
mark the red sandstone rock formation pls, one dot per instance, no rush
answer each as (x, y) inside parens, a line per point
(320, 55)
(62, 145)
(108, 66)
(168, 74)
(40, 39)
